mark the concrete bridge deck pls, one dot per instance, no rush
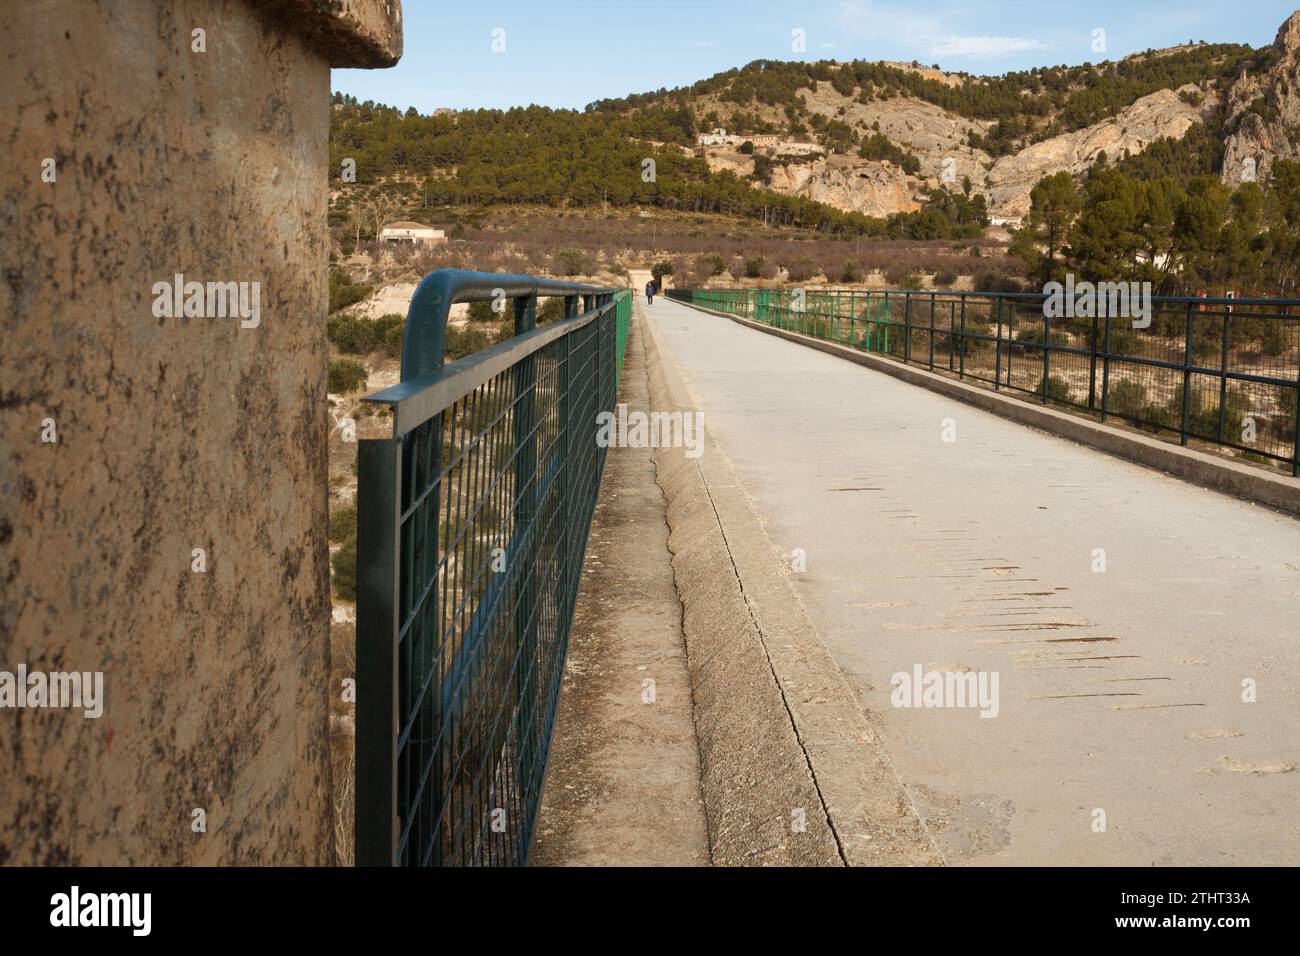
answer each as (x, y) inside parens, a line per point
(1120, 691)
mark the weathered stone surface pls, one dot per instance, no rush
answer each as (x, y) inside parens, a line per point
(929, 132)
(1257, 142)
(174, 433)
(1162, 114)
(855, 185)
(348, 33)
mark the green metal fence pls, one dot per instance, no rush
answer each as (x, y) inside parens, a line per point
(472, 520)
(1223, 371)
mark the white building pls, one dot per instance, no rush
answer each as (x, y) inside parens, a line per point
(720, 137)
(411, 232)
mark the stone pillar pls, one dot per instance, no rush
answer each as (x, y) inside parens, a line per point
(146, 139)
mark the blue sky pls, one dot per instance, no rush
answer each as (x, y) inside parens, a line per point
(567, 53)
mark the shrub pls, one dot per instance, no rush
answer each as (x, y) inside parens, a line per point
(343, 524)
(393, 340)
(357, 336)
(712, 264)
(1033, 336)
(346, 332)
(1058, 389)
(990, 279)
(879, 147)
(1288, 403)
(344, 292)
(482, 312)
(1160, 415)
(467, 341)
(1272, 342)
(1126, 398)
(1203, 416)
(802, 269)
(903, 278)
(344, 561)
(945, 278)
(1123, 339)
(346, 376)
(851, 271)
(550, 310)
(569, 261)
(1288, 407)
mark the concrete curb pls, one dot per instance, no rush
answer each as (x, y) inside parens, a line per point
(780, 730)
(1200, 468)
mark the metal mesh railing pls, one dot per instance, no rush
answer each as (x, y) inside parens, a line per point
(472, 522)
(1222, 371)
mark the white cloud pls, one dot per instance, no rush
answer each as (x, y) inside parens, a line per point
(981, 46)
(924, 32)
(881, 21)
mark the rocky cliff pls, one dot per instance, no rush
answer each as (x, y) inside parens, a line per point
(873, 188)
(1163, 113)
(1264, 112)
(1260, 109)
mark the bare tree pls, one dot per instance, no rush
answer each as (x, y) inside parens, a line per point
(380, 209)
(357, 218)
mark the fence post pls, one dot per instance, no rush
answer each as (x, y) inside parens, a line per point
(931, 331)
(952, 337)
(907, 327)
(379, 496)
(1187, 378)
(961, 359)
(1295, 468)
(875, 329)
(1047, 354)
(1105, 369)
(1010, 355)
(1223, 378)
(997, 347)
(1092, 367)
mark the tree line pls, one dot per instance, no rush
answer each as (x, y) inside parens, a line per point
(538, 155)
(1028, 105)
(1184, 234)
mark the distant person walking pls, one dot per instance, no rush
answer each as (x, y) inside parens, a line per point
(650, 292)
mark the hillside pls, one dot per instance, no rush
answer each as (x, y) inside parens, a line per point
(1135, 167)
(841, 147)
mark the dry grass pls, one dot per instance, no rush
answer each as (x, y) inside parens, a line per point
(544, 241)
(343, 742)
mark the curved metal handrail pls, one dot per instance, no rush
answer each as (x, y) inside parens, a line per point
(426, 320)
